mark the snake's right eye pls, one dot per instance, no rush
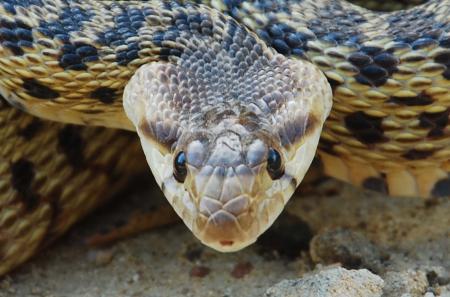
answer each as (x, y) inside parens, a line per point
(275, 164)
(179, 167)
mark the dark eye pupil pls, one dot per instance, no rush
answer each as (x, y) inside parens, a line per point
(179, 167)
(274, 164)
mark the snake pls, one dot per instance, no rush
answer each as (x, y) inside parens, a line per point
(230, 101)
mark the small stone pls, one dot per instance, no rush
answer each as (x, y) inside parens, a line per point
(200, 271)
(351, 249)
(241, 269)
(135, 278)
(411, 283)
(331, 283)
(100, 257)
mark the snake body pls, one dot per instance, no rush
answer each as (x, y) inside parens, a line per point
(228, 99)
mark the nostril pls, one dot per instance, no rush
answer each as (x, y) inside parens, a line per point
(226, 242)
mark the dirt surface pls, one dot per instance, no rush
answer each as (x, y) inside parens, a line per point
(404, 241)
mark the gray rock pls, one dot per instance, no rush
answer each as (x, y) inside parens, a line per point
(411, 283)
(331, 282)
(349, 248)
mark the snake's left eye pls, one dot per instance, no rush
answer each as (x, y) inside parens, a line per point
(275, 166)
(179, 167)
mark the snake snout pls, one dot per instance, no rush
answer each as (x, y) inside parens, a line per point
(223, 224)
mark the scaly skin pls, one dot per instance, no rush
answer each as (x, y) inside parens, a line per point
(69, 61)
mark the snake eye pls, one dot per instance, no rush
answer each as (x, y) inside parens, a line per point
(179, 167)
(274, 164)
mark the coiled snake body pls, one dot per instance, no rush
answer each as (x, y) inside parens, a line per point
(228, 110)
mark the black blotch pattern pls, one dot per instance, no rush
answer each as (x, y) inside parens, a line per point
(288, 236)
(285, 39)
(366, 128)
(15, 36)
(74, 55)
(127, 25)
(436, 121)
(327, 146)
(414, 154)
(419, 100)
(30, 130)
(444, 58)
(375, 65)
(441, 188)
(377, 184)
(104, 94)
(71, 144)
(38, 90)
(22, 176)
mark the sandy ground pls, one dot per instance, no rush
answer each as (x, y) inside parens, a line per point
(405, 241)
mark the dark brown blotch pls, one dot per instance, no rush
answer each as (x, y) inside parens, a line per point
(241, 269)
(200, 271)
(22, 177)
(36, 89)
(414, 154)
(377, 184)
(436, 121)
(327, 146)
(30, 130)
(366, 128)
(360, 59)
(104, 94)
(419, 100)
(443, 58)
(71, 144)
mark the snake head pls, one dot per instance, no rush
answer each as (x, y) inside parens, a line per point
(228, 141)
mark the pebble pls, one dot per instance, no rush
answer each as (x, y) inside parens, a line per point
(412, 283)
(100, 257)
(241, 269)
(333, 282)
(349, 248)
(200, 271)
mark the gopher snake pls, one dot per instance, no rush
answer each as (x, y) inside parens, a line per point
(228, 110)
